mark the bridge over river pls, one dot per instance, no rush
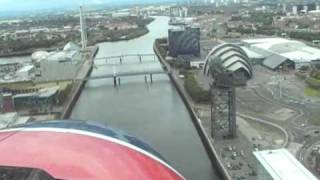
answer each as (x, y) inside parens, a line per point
(116, 67)
(153, 112)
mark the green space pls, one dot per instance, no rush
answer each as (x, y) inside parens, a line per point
(312, 92)
(196, 92)
(191, 85)
(116, 35)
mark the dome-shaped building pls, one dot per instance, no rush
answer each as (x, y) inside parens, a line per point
(228, 59)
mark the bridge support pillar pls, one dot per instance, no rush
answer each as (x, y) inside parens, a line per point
(114, 81)
(145, 79)
(150, 78)
(119, 81)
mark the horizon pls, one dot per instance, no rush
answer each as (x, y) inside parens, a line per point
(36, 5)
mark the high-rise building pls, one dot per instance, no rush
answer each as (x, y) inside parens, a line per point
(184, 41)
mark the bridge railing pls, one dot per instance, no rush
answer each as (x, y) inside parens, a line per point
(126, 57)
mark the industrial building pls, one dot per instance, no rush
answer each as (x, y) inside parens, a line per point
(283, 53)
(184, 40)
(280, 164)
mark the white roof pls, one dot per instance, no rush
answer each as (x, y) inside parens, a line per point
(26, 68)
(250, 53)
(282, 165)
(71, 46)
(291, 49)
(39, 55)
(300, 56)
(265, 40)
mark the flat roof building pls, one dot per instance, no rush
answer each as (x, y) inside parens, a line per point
(296, 51)
(280, 164)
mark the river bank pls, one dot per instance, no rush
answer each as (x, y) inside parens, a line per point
(153, 112)
(76, 91)
(206, 140)
(103, 35)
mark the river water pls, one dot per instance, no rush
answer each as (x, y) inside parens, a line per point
(153, 112)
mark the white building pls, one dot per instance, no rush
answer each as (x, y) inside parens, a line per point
(26, 72)
(280, 164)
(296, 51)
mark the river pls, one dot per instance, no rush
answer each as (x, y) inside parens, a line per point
(153, 112)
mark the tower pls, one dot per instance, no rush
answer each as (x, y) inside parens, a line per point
(227, 66)
(83, 30)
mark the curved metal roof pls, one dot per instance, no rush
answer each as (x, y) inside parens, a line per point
(231, 57)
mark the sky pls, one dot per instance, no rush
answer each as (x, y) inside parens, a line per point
(16, 5)
(23, 5)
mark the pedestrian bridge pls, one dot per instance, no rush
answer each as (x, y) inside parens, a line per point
(126, 58)
(117, 62)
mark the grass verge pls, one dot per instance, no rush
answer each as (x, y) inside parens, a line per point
(312, 92)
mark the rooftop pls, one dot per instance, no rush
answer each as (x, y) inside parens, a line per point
(294, 50)
(282, 165)
(274, 61)
(251, 54)
(26, 68)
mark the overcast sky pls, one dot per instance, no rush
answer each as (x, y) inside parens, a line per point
(14, 5)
